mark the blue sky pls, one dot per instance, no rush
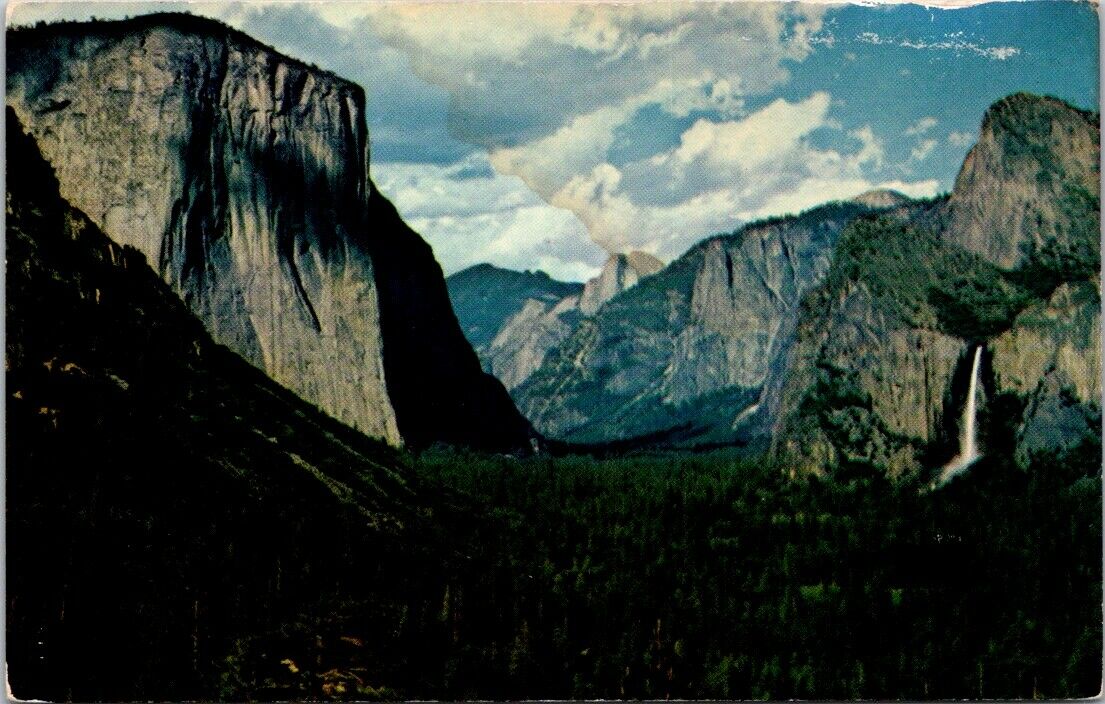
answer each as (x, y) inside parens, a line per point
(544, 136)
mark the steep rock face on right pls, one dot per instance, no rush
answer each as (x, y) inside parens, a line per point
(1009, 261)
(1051, 356)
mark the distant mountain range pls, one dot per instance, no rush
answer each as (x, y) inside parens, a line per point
(514, 319)
(724, 345)
(485, 298)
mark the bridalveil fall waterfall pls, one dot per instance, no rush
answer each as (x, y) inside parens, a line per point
(968, 431)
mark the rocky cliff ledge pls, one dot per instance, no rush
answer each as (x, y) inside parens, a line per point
(243, 177)
(525, 340)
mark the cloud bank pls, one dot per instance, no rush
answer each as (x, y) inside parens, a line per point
(567, 98)
(543, 135)
(472, 214)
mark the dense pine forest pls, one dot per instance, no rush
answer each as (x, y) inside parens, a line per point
(658, 576)
(689, 576)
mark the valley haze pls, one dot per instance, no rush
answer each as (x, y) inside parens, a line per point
(514, 351)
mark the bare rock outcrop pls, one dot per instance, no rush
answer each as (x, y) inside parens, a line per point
(520, 347)
(1060, 336)
(859, 384)
(1025, 180)
(621, 271)
(1009, 262)
(239, 173)
(514, 319)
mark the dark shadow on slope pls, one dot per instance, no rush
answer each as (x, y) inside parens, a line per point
(434, 378)
(168, 506)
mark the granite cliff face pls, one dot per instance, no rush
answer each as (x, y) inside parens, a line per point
(242, 175)
(872, 366)
(1061, 336)
(525, 339)
(621, 272)
(1009, 261)
(238, 173)
(486, 297)
(1051, 356)
(689, 355)
(1026, 180)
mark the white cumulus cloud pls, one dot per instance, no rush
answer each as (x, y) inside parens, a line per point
(921, 126)
(470, 214)
(551, 97)
(922, 150)
(549, 90)
(721, 173)
(961, 139)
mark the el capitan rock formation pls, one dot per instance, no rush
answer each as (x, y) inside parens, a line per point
(242, 175)
(165, 499)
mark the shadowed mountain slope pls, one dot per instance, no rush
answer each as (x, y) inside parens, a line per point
(485, 297)
(516, 319)
(165, 499)
(439, 391)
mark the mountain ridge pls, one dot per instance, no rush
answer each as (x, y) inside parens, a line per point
(1019, 139)
(695, 330)
(881, 282)
(532, 313)
(471, 289)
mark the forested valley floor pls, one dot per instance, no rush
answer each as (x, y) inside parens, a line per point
(655, 576)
